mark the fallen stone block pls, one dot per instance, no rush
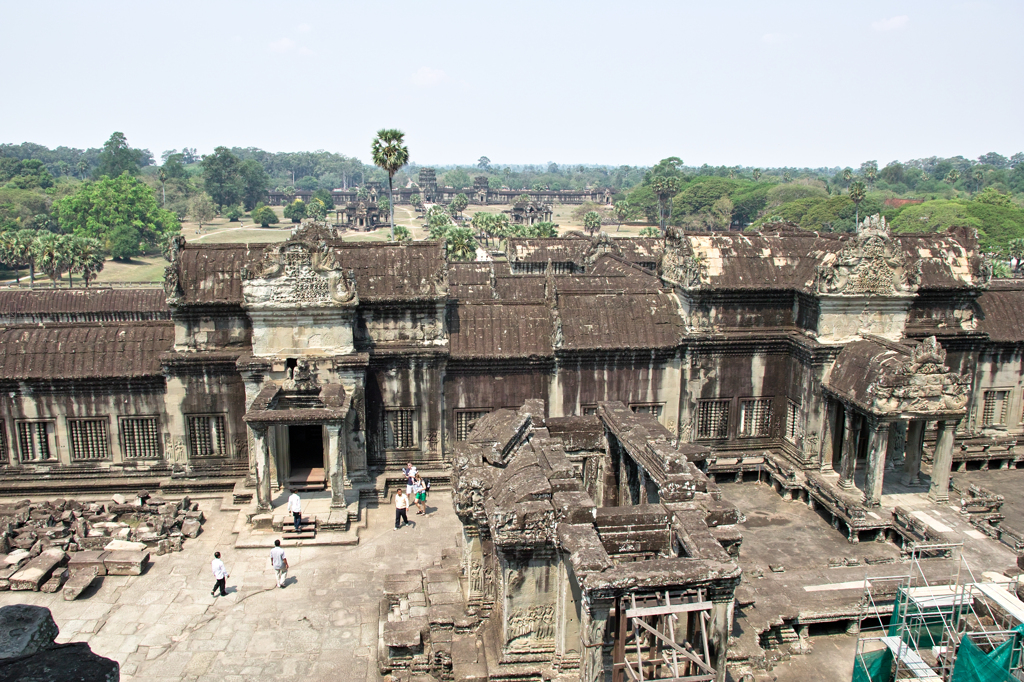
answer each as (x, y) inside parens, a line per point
(36, 572)
(78, 583)
(190, 528)
(88, 560)
(197, 515)
(405, 634)
(25, 629)
(56, 581)
(118, 498)
(125, 546)
(74, 661)
(126, 563)
(16, 557)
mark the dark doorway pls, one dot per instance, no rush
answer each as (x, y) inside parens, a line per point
(306, 447)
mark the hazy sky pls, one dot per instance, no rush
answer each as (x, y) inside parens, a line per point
(756, 83)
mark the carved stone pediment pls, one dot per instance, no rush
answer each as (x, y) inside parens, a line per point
(873, 263)
(299, 273)
(681, 266)
(922, 383)
(172, 285)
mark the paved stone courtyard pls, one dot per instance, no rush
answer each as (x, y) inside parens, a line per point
(323, 625)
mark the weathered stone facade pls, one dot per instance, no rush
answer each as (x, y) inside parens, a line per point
(628, 373)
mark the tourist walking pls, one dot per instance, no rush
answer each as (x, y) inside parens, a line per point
(401, 509)
(409, 471)
(279, 562)
(295, 507)
(220, 574)
(419, 494)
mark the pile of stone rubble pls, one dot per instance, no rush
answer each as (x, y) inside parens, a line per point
(57, 544)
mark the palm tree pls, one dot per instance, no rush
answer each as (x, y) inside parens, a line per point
(461, 245)
(757, 175)
(857, 194)
(665, 188)
(86, 257)
(871, 173)
(952, 176)
(979, 177)
(52, 254)
(25, 244)
(1015, 249)
(621, 213)
(847, 176)
(163, 179)
(390, 154)
(82, 167)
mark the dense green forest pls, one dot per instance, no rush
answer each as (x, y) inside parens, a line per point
(119, 200)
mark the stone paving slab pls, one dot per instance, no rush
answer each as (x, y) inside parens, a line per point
(165, 625)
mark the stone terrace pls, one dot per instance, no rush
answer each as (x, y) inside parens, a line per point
(165, 626)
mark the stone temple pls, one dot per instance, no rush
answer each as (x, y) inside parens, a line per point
(586, 400)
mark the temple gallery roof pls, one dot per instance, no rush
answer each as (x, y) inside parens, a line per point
(17, 302)
(872, 262)
(889, 379)
(582, 250)
(211, 274)
(1002, 311)
(84, 351)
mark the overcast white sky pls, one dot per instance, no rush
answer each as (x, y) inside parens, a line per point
(756, 83)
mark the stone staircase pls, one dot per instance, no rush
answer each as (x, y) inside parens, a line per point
(307, 529)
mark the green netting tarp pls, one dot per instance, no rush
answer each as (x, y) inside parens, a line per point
(974, 665)
(874, 666)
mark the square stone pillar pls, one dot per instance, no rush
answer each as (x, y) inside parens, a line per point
(914, 449)
(943, 461)
(878, 443)
(336, 463)
(263, 473)
(851, 441)
(828, 434)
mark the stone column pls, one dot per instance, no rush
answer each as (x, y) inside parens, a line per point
(942, 463)
(721, 626)
(878, 442)
(914, 447)
(336, 463)
(828, 429)
(592, 630)
(848, 463)
(262, 454)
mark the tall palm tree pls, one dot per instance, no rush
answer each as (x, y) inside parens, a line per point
(390, 154)
(757, 175)
(979, 178)
(26, 240)
(847, 176)
(52, 255)
(86, 257)
(461, 245)
(857, 194)
(665, 188)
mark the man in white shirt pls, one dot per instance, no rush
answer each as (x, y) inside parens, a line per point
(401, 509)
(409, 471)
(295, 507)
(220, 574)
(279, 563)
